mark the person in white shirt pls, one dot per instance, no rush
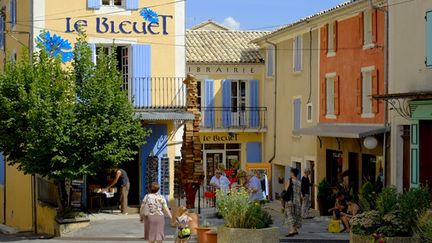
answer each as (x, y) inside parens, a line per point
(220, 182)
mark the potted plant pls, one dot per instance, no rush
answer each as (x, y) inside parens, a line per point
(395, 219)
(211, 236)
(324, 193)
(245, 221)
(201, 230)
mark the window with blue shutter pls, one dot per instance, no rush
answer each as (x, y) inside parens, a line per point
(297, 46)
(2, 169)
(141, 75)
(270, 61)
(209, 104)
(253, 152)
(13, 12)
(226, 103)
(2, 34)
(132, 4)
(94, 4)
(429, 39)
(297, 114)
(254, 104)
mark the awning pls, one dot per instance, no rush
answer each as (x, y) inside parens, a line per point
(342, 130)
(164, 115)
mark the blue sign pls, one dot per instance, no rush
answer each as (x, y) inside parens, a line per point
(105, 25)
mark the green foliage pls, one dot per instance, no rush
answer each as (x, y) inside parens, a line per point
(367, 196)
(397, 215)
(71, 213)
(324, 190)
(424, 229)
(239, 212)
(64, 123)
(387, 200)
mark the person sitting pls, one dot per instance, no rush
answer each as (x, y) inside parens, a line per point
(340, 206)
(352, 210)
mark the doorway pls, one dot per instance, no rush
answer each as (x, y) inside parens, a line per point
(212, 160)
(312, 181)
(369, 168)
(425, 154)
(333, 166)
(132, 168)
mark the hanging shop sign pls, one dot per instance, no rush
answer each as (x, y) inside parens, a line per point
(104, 25)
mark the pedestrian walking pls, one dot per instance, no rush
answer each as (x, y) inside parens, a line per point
(293, 217)
(183, 229)
(305, 190)
(152, 212)
(220, 182)
(124, 189)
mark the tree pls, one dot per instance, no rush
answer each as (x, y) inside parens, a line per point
(64, 123)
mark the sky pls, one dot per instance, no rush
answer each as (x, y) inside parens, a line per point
(253, 14)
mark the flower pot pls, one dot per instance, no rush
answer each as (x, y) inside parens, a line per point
(236, 235)
(200, 232)
(211, 236)
(368, 238)
(322, 206)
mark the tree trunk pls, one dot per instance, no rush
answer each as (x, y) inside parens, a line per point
(191, 190)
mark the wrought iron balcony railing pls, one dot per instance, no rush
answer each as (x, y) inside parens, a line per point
(156, 93)
(252, 118)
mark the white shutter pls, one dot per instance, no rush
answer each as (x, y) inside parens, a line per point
(330, 96)
(367, 92)
(367, 27)
(330, 40)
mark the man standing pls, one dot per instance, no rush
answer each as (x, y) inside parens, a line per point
(124, 189)
(305, 190)
(220, 182)
(254, 187)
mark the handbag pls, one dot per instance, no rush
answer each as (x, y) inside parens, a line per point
(144, 210)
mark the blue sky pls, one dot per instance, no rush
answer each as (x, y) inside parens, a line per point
(253, 14)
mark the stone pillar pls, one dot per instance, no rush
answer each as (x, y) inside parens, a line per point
(192, 171)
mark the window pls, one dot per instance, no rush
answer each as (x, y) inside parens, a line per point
(330, 39)
(270, 61)
(366, 92)
(367, 28)
(13, 12)
(199, 95)
(238, 102)
(309, 112)
(112, 2)
(297, 114)
(428, 18)
(297, 47)
(122, 60)
(330, 79)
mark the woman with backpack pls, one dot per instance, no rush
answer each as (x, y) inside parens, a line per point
(292, 204)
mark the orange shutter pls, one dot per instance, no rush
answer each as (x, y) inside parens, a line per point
(360, 28)
(359, 95)
(374, 26)
(375, 90)
(335, 32)
(337, 96)
(324, 42)
(323, 95)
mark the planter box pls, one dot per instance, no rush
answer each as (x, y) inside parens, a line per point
(235, 235)
(367, 239)
(65, 226)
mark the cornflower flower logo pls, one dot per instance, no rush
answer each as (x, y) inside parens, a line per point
(55, 46)
(149, 15)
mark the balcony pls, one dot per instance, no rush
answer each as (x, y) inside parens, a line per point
(156, 93)
(228, 119)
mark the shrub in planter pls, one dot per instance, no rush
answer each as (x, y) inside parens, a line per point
(424, 229)
(324, 193)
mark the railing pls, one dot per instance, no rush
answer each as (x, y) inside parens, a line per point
(254, 118)
(153, 93)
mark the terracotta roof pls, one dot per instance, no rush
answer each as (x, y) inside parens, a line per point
(222, 46)
(309, 18)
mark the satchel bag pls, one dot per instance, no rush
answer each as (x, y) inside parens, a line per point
(144, 210)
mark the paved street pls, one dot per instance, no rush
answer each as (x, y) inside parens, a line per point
(119, 228)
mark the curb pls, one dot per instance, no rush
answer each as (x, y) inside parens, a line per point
(7, 230)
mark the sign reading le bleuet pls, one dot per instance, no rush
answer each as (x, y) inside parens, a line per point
(104, 25)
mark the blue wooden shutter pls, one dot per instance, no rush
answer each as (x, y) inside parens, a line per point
(297, 55)
(2, 169)
(297, 114)
(254, 104)
(94, 54)
(141, 75)
(132, 4)
(13, 12)
(94, 4)
(415, 152)
(2, 34)
(429, 39)
(253, 150)
(209, 104)
(226, 103)
(270, 61)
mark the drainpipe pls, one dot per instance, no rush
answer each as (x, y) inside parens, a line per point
(275, 100)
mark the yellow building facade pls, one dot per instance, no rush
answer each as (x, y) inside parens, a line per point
(229, 69)
(149, 40)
